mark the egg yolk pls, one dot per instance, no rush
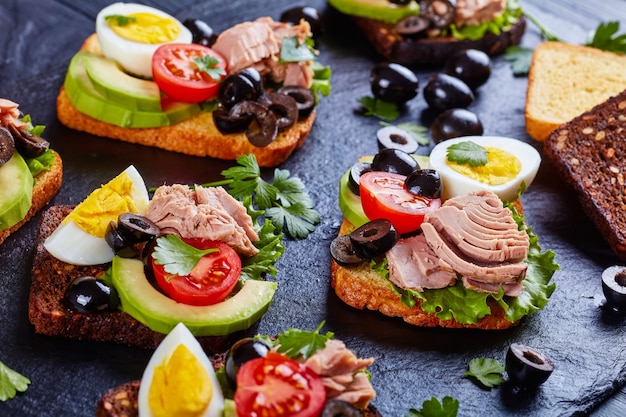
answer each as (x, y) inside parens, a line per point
(104, 205)
(144, 28)
(180, 386)
(501, 167)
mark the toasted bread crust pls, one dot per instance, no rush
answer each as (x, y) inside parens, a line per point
(361, 288)
(47, 184)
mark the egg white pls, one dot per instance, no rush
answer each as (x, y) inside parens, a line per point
(134, 57)
(71, 244)
(455, 183)
(180, 335)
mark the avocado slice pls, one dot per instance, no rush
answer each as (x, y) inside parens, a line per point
(382, 10)
(16, 191)
(160, 313)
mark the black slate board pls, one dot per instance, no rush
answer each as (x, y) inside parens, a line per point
(412, 365)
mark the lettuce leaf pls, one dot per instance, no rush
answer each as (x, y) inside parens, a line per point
(512, 13)
(40, 163)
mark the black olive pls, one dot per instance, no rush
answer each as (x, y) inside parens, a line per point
(343, 252)
(374, 238)
(425, 183)
(393, 83)
(340, 408)
(527, 367)
(440, 13)
(263, 129)
(400, 2)
(91, 295)
(284, 107)
(412, 26)
(392, 137)
(201, 32)
(7, 145)
(257, 80)
(137, 228)
(241, 352)
(226, 123)
(614, 287)
(310, 14)
(304, 99)
(354, 178)
(472, 66)
(444, 91)
(453, 123)
(395, 161)
(27, 144)
(120, 244)
(239, 87)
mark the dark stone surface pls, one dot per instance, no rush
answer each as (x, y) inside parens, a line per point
(412, 364)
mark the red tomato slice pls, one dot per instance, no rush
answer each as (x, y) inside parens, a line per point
(209, 282)
(278, 386)
(179, 77)
(384, 196)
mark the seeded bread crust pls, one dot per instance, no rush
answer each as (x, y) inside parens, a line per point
(47, 184)
(589, 154)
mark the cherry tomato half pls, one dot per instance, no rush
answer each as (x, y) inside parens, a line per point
(276, 385)
(180, 78)
(209, 282)
(384, 196)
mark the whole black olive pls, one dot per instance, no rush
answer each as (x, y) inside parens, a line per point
(440, 13)
(412, 26)
(310, 14)
(201, 32)
(340, 408)
(395, 161)
(226, 123)
(453, 123)
(425, 183)
(119, 243)
(527, 367)
(7, 145)
(393, 83)
(257, 80)
(91, 295)
(239, 87)
(241, 352)
(284, 107)
(392, 137)
(137, 228)
(304, 97)
(374, 238)
(354, 178)
(343, 252)
(264, 127)
(444, 91)
(472, 66)
(614, 287)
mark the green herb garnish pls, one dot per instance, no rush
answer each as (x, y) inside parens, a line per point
(209, 64)
(176, 256)
(487, 372)
(467, 153)
(605, 37)
(520, 59)
(418, 131)
(378, 108)
(291, 51)
(449, 407)
(11, 382)
(120, 20)
(297, 343)
(321, 80)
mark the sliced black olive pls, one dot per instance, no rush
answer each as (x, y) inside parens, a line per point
(308, 13)
(340, 408)
(239, 87)
(392, 137)
(120, 244)
(201, 32)
(374, 238)
(343, 252)
(354, 178)
(395, 161)
(7, 145)
(91, 295)
(263, 128)
(137, 228)
(472, 66)
(444, 91)
(440, 13)
(614, 287)
(304, 99)
(527, 367)
(400, 2)
(27, 144)
(453, 123)
(393, 82)
(284, 107)
(412, 26)
(226, 123)
(241, 352)
(425, 183)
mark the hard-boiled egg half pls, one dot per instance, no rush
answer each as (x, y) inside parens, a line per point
(129, 33)
(80, 238)
(179, 380)
(509, 163)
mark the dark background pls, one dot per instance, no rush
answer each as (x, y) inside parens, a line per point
(37, 40)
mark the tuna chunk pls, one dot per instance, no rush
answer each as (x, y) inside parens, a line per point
(475, 12)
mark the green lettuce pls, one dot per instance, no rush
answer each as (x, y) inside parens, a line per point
(40, 163)
(512, 13)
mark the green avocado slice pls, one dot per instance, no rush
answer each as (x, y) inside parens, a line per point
(160, 313)
(16, 191)
(382, 10)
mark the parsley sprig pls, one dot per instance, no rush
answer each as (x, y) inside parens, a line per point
(605, 37)
(299, 344)
(294, 51)
(371, 106)
(448, 407)
(209, 64)
(176, 256)
(467, 152)
(486, 371)
(11, 382)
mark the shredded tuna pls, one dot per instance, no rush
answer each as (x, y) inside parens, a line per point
(9, 114)
(476, 12)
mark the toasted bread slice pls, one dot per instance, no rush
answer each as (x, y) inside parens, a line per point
(196, 136)
(47, 184)
(566, 80)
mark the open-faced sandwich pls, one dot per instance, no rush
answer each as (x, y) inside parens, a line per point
(144, 77)
(30, 172)
(442, 242)
(134, 267)
(298, 373)
(428, 31)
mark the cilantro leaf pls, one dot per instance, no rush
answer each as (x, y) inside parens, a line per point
(302, 343)
(467, 152)
(378, 108)
(209, 64)
(292, 52)
(299, 219)
(176, 256)
(11, 382)
(120, 20)
(604, 37)
(520, 59)
(488, 372)
(449, 407)
(247, 181)
(418, 131)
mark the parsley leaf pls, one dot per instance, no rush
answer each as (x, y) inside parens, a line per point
(209, 64)
(520, 59)
(270, 245)
(378, 108)
(604, 38)
(467, 152)
(418, 131)
(488, 372)
(176, 256)
(297, 343)
(292, 52)
(449, 407)
(11, 382)
(299, 219)
(121, 20)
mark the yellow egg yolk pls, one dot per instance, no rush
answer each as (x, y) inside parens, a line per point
(104, 205)
(144, 28)
(501, 167)
(180, 386)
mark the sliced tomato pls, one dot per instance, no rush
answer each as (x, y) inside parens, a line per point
(384, 196)
(180, 78)
(276, 385)
(212, 279)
